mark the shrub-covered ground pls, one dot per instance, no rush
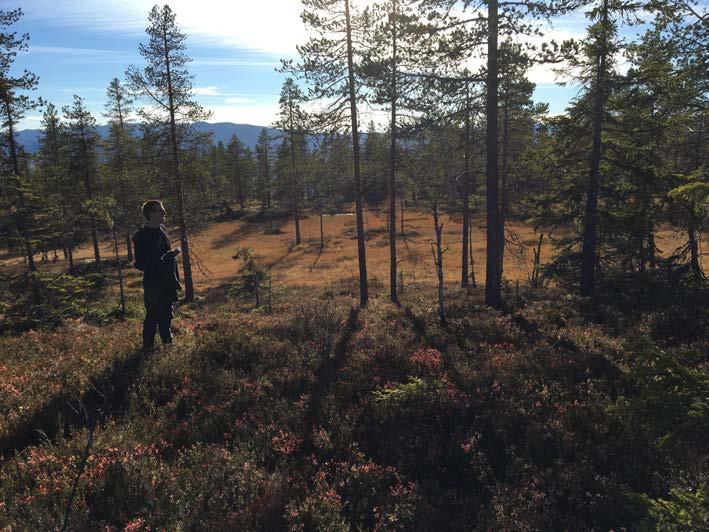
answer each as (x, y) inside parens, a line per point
(319, 416)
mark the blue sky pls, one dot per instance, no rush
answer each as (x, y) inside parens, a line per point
(78, 46)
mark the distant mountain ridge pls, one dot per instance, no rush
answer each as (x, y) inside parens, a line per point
(221, 131)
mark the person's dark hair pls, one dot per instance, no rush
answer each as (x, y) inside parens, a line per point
(150, 206)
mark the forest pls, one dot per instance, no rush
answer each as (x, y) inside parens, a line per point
(463, 312)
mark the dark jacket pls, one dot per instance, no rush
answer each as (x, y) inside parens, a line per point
(158, 263)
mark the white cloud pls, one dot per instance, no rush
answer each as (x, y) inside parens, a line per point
(239, 100)
(262, 114)
(224, 61)
(83, 55)
(211, 90)
(270, 26)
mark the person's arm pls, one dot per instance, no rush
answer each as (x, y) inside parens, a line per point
(170, 254)
(139, 252)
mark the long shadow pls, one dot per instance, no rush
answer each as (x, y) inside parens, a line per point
(320, 250)
(107, 397)
(325, 376)
(247, 228)
(276, 262)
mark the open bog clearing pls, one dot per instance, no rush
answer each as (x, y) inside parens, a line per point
(306, 264)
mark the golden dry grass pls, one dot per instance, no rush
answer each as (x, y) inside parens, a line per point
(305, 264)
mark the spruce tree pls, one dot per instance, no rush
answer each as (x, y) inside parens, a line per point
(82, 142)
(236, 166)
(120, 149)
(596, 65)
(293, 122)
(263, 159)
(14, 103)
(59, 188)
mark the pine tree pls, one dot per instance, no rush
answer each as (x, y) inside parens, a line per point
(329, 63)
(467, 31)
(167, 84)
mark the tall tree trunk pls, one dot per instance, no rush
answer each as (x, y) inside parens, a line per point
(184, 238)
(438, 258)
(464, 276)
(694, 264)
(693, 224)
(294, 180)
(472, 259)
(503, 180)
(120, 273)
(322, 233)
(267, 177)
(392, 162)
(493, 295)
(401, 210)
(28, 250)
(70, 252)
(363, 288)
(694, 251)
(590, 230)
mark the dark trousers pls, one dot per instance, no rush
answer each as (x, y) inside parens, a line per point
(158, 316)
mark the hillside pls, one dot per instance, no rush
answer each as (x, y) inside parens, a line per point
(309, 413)
(221, 131)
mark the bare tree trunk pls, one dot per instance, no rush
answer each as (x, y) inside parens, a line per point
(28, 250)
(472, 259)
(534, 281)
(466, 194)
(363, 288)
(392, 163)
(322, 234)
(503, 182)
(70, 251)
(694, 248)
(120, 273)
(493, 294)
(693, 224)
(294, 182)
(438, 258)
(401, 210)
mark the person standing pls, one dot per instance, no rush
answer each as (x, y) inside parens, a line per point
(158, 263)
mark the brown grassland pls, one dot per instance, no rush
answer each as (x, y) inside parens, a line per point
(306, 264)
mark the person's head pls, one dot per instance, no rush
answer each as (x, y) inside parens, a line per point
(154, 212)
